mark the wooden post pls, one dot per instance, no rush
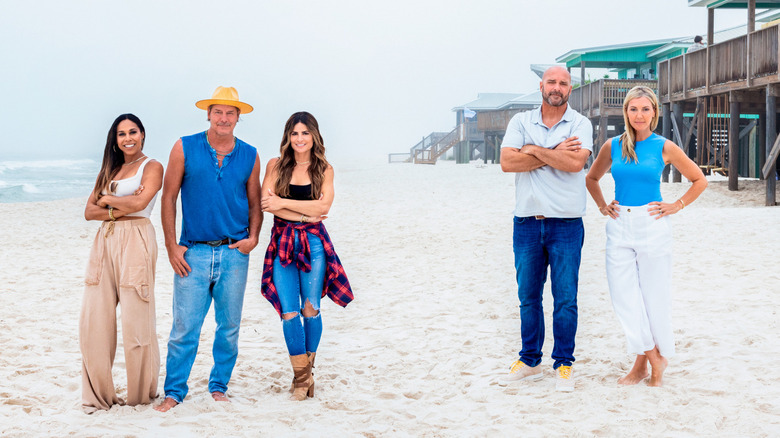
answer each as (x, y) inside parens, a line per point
(602, 137)
(751, 27)
(762, 142)
(710, 42)
(677, 110)
(734, 109)
(666, 132)
(701, 133)
(771, 134)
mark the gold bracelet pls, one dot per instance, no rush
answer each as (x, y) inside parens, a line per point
(302, 218)
(111, 214)
(682, 202)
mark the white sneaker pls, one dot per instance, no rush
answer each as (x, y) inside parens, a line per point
(520, 371)
(564, 379)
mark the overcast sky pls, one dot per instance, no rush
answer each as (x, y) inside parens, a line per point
(377, 75)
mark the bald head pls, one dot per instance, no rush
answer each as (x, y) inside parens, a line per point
(557, 70)
(555, 86)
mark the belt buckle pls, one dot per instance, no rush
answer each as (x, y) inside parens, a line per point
(539, 217)
(214, 242)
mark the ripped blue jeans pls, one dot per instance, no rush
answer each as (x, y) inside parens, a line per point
(296, 288)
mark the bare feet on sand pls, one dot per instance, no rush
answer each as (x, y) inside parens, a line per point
(637, 373)
(219, 396)
(658, 364)
(657, 375)
(166, 405)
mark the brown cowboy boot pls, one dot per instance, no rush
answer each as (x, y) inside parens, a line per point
(303, 381)
(311, 359)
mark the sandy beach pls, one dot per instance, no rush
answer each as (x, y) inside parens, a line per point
(428, 250)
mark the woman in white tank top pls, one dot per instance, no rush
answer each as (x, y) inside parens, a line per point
(121, 270)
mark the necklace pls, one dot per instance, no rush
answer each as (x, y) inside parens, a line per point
(301, 163)
(220, 154)
(136, 160)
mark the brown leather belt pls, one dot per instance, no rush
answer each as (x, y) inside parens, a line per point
(225, 241)
(539, 217)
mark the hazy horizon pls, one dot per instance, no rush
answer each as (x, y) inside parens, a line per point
(378, 77)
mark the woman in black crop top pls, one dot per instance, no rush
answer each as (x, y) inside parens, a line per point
(298, 190)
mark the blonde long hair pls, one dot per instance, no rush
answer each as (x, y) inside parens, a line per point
(628, 138)
(286, 162)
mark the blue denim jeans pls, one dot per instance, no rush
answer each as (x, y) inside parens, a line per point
(218, 274)
(295, 288)
(539, 243)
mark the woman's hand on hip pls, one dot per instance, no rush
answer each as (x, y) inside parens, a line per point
(611, 209)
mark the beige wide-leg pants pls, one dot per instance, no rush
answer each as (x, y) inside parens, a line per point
(121, 270)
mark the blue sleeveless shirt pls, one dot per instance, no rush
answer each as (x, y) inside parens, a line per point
(638, 183)
(214, 201)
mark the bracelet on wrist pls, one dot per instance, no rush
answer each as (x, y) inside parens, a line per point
(682, 203)
(111, 214)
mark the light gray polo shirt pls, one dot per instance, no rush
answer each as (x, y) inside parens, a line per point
(547, 191)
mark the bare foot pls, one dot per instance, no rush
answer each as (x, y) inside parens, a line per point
(657, 375)
(219, 396)
(166, 405)
(638, 372)
(632, 378)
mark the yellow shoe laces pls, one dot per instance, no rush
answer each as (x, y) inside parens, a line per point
(516, 366)
(564, 372)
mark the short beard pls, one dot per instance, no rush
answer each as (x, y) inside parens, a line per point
(563, 101)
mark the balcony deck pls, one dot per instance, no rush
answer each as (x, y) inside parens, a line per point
(743, 63)
(604, 98)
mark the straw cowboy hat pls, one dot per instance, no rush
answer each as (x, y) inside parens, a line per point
(225, 96)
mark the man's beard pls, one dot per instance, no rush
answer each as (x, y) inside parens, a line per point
(549, 101)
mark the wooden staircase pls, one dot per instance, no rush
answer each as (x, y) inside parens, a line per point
(432, 153)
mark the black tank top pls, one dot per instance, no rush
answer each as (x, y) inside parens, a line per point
(300, 193)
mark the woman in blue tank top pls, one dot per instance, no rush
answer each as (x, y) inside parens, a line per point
(639, 239)
(300, 265)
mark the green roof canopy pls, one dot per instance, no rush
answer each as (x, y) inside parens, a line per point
(614, 56)
(733, 4)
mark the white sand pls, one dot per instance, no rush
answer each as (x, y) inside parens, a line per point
(428, 251)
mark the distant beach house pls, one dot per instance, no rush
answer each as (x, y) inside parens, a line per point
(479, 127)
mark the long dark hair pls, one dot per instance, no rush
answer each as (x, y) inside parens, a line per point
(286, 162)
(113, 158)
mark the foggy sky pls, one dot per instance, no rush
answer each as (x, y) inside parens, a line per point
(377, 75)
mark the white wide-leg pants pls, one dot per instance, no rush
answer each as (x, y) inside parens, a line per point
(639, 273)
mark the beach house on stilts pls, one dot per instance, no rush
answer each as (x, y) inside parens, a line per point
(726, 92)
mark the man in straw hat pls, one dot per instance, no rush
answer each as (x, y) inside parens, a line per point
(219, 179)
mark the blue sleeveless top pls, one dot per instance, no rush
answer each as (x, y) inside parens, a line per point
(214, 203)
(638, 183)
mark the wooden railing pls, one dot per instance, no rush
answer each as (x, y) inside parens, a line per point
(764, 51)
(730, 67)
(728, 61)
(676, 84)
(604, 94)
(437, 149)
(495, 120)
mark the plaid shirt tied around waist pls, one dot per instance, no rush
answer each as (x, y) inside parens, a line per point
(336, 285)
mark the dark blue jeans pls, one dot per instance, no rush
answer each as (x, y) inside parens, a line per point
(537, 244)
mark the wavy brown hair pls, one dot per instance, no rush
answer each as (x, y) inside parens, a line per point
(113, 158)
(628, 137)
(286, 162)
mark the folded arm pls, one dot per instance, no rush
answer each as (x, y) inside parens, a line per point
(151, 182)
